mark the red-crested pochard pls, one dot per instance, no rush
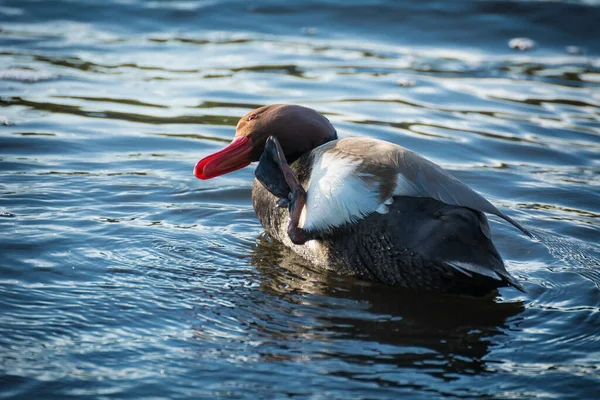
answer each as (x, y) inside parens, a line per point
(361, 206)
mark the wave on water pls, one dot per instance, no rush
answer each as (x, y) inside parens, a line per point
(25, 75)
(575, 255)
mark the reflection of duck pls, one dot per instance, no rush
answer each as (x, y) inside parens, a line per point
(361, 206)
(437, 334)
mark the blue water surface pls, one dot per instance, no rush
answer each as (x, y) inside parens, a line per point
(123, 276)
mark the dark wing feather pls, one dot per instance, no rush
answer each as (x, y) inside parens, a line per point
(431, 180)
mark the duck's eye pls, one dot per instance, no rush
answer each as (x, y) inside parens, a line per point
(253, 116)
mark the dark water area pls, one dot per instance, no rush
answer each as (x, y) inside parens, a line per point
(123, 276)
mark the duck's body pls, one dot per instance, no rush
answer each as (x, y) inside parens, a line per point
(401, 254)
(365, 207)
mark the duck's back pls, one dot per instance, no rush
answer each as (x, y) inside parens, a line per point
(387, 214)
(351, 178)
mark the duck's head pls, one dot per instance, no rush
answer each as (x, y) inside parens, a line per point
(298, 130)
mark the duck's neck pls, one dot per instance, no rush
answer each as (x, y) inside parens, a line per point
(302, 167)
(311, 144)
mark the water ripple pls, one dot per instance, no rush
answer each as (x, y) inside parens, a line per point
(123, 276)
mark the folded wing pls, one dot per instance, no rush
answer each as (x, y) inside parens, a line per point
(354, 177)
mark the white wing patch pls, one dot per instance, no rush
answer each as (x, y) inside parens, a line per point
(336, 194)
(383, 207)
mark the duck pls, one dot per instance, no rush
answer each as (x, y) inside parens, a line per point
(363, 207)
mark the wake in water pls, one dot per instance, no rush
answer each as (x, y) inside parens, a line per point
(578, 256)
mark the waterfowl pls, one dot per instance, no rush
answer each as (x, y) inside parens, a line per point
(363, 207)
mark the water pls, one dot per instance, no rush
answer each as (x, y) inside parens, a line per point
(123, 276)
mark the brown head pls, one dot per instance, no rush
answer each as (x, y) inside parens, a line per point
(298, 129)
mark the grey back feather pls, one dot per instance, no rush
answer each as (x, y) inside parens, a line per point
(422, 178)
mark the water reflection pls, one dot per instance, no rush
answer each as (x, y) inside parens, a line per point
(438, 335)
